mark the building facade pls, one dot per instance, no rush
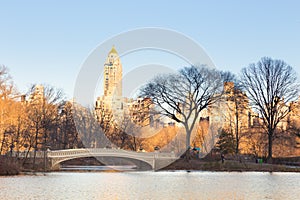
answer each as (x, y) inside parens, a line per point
(112, 106)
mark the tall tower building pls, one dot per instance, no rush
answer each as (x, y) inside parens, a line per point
(113, 74)
(112, 101)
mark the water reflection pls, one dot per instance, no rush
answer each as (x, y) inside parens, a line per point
(152, 185)
(98, 168)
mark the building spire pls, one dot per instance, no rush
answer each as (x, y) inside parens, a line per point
(113, 50)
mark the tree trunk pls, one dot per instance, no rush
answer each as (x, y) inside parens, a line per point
(3, 142)
(187, 145)
(270, 146)
(237, 146)
(34, 156)
(237, 139)
(35, 148)
(18, 142)
(26, 155)
(188, 139)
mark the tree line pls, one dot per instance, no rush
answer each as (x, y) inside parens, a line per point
(35, 124)
(35, 121)
(267, 87)
(43, 119)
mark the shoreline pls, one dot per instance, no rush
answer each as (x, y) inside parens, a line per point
(178, 165)
(270, 169)
(161, 170)
(228, 166)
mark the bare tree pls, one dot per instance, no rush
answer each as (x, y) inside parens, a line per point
(42, 109)
(90, 131)
(68, 135)
(228, 76)
(7, 93)
(270, 85)
(7, 88)
(123, 129)
(182, 96)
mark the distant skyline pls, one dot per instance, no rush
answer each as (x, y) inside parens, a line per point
(47, 41)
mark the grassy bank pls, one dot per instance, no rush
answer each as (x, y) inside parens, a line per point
(229, 165)
(15, 166)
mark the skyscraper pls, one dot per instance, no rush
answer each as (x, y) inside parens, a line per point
(111, 103)
(113, 74)
(112, 106)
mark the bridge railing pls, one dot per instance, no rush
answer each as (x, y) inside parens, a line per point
(23, 154)
(95, 151)
(67, 152)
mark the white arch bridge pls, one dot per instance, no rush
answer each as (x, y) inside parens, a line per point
(156, 160)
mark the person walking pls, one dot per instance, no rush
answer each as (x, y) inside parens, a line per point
(222, 157)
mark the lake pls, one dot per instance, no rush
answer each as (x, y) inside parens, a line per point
(151, 185)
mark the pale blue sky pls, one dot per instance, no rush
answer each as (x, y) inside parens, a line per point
(47, 41)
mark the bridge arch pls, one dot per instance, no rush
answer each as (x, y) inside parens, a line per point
(146, 164)
(56, 157)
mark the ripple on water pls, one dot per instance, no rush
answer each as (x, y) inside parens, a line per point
(152, 185)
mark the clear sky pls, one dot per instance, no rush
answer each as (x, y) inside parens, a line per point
(47, 41)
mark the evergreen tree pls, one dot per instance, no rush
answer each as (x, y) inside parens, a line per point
(226, 143)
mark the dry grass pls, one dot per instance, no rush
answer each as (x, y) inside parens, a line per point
(9, 166)
(229, 165)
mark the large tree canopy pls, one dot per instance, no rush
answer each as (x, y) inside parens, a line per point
(183, 95)
(270, 85)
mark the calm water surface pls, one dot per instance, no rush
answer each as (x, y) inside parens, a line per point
(152, 185)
